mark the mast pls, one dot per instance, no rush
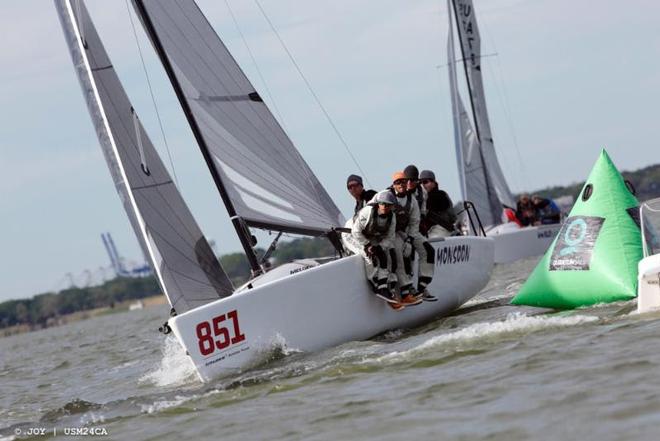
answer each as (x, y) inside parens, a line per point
(241, 230)
(467, 75)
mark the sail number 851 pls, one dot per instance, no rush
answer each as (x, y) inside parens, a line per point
(215, 335)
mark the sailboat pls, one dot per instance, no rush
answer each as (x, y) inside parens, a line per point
(263, 182)
(481, 179)
(648, 269)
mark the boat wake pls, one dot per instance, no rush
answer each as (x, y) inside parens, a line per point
(514, 325)
(175, 368)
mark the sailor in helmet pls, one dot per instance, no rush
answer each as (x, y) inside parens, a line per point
(407, 238)
(373, 229)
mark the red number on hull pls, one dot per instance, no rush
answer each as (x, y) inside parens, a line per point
(221, 331)
(238, 337)
(207, 345)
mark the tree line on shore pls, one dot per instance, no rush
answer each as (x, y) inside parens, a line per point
(39, 310)
(646, 182)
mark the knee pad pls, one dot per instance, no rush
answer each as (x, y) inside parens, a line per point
(407, 266)
(382, 258)
(393, 259)
(430, 253)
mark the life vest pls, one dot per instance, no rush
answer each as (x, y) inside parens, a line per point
(374, 229)
(419, 196)
(365, 197)
(402, 213)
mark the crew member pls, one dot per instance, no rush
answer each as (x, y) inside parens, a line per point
(413, 187)
(440, 217)
(525, 211)
(356, 189)
(374, 230)
(547, 212)
(409, 237)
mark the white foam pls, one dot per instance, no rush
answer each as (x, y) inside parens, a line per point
(514, 323)
(92, 418)
(157, 406)
(479, 300)
(160, 405)
(620, 303)
(278, 343)
(175, 367)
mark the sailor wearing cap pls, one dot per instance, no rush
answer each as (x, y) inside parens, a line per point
(356, 189)
(408, 237)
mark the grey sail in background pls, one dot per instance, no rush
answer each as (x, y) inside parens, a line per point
(187, 270)
(266, 179)
(470, 40)
(471, 170)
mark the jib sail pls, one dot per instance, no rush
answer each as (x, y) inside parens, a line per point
(187, 270)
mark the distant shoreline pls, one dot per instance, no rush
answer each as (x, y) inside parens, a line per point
(77, 316)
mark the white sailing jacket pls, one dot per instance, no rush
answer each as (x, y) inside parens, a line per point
(362, 220)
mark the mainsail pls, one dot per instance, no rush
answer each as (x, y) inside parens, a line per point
(481, 167)
(256, 166)
(187, 270)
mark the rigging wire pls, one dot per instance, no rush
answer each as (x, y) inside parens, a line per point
(503, 96)
(256, 65)
(151, 92)
(311, 90)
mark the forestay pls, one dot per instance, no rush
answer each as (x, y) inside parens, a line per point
(497, 187)
(188, 271)
(266, 179)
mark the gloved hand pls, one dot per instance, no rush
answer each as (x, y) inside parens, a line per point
(372, 250)
(407, 247)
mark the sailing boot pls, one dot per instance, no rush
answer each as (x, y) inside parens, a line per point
(386, 294)
(424, 293)
(427, 296)
(409, 297)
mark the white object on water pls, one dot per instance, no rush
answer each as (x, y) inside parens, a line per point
(136, 305)
(648, 269)
(648, 280)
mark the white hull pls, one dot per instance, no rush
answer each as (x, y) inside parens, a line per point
(648, 284)
(320, 307)
(514, 243)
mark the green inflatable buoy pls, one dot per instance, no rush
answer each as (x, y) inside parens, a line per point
(594, 257)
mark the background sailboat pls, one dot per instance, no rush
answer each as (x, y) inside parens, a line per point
(481, 179)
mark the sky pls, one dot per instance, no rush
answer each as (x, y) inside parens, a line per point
(563, 80)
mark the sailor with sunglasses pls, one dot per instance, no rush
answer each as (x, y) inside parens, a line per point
(440, 216)
(361, 196)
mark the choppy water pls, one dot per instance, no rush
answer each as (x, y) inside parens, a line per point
(491, 371)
